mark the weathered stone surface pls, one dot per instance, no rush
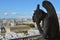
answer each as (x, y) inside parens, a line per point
(38, 16)
(51, 21)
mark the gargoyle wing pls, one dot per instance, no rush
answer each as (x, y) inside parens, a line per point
(52, 23)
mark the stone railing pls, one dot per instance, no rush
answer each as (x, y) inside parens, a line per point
(36, 37)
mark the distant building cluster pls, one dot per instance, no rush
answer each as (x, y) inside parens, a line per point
(15, 24)
(11, 24)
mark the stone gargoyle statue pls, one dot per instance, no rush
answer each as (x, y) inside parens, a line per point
(49, 20)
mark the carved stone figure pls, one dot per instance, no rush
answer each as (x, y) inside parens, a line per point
(50, 20)
(38, 16)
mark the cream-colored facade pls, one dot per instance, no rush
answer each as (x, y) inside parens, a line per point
(17, 28)
(7, 29)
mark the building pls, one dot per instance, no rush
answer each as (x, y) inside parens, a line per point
(17, 29)
(20, 28)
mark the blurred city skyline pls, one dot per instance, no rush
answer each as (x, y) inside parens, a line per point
(23, 8)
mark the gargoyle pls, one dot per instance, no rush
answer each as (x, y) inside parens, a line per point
(50, 21)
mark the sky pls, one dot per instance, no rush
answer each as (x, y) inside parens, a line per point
(23, 8)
